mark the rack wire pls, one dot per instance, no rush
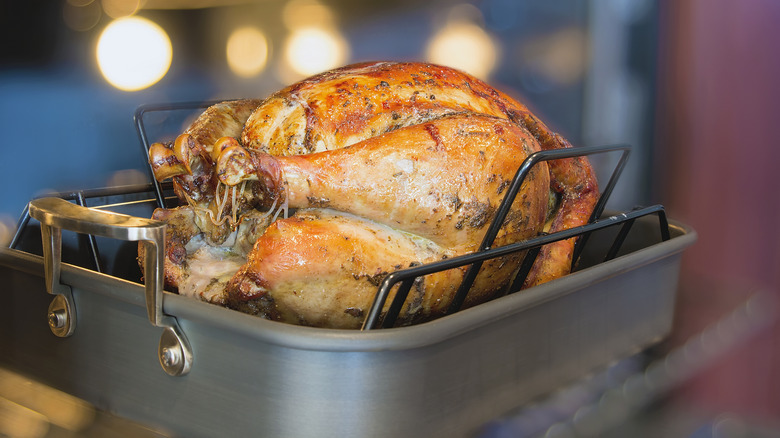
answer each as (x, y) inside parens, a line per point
(80, 197)
(475, 260)
(140, 126)
(404, 279)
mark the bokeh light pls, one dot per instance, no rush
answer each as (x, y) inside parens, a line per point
(120, 8)
(133, 53)
(81, 15)
(465, 46)
(312, 50)
(247, 51)
(306, 13)
(314, 43)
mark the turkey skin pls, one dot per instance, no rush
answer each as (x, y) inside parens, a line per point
(294, 208)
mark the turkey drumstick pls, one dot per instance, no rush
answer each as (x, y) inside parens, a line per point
(370, 209)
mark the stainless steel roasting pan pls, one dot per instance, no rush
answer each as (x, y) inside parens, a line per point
(252, 377)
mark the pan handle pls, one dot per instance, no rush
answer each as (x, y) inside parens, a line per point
(56, 214)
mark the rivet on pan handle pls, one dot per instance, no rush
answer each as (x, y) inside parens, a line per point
(56, 214)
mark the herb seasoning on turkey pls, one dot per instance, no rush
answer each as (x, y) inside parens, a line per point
(295, 207)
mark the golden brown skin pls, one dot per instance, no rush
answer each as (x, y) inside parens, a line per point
(190, 161)
(575, 181)
(353, 103)
(225, 119)
(181, 227)
(322, 268)
(441, 180)
(347, 105)
(315, 144)
(435, 191)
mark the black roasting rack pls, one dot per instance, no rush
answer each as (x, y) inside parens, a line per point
(405, 279)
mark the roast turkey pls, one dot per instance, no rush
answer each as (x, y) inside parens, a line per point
(295, 207)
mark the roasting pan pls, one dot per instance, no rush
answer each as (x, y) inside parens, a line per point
(255, 377)
(193, 369)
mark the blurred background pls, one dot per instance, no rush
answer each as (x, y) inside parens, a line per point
(73, 72)
(691, 85)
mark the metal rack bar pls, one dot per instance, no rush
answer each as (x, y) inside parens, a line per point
(618, 242)
(374, 316)
(80, 197)
(602, 202)
(80, 200)
(525, 268)
(140, 127)
(20, 226)
(408, 277)
(509, 198)
(397, 305)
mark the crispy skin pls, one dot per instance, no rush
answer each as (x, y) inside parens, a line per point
(419, 150)
(322, 268)
(194, 176)
(225, 119)
(181, 227)
(432, 195)
(353, 103)
(441, 180)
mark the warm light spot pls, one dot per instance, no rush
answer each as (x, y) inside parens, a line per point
(120, 8)
(133, 53)
(247, 51)
(464, 46)
(81, 16)
(32, 407)
(306, 13)
(313, 50)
